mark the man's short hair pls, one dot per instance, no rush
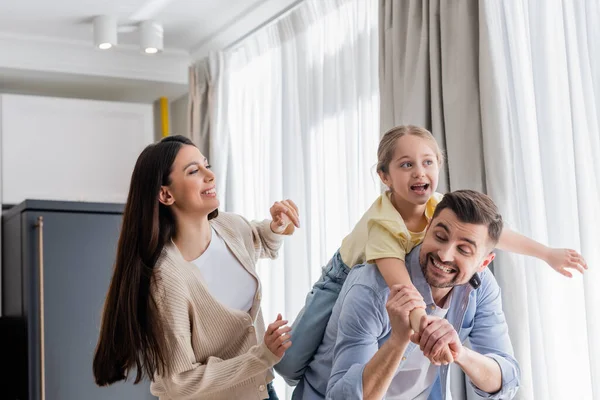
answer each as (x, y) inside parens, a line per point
(473, 207)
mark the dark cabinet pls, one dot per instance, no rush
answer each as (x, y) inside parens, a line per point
(57, 260)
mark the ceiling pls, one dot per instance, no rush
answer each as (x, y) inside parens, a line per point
(49, 41)
(187, 23)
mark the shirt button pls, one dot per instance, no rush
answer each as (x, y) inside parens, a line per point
(432, 307)
(403, 358)
(251, 329)
(261, 388)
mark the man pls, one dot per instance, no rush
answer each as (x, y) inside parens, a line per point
(367, 350)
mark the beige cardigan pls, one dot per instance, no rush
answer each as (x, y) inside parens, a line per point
(215, 352)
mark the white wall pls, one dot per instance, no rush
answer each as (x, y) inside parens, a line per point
(67, 149)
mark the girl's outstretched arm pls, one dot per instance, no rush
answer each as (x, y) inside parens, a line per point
(559, 259)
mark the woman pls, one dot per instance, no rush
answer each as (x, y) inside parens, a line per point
(183, 306)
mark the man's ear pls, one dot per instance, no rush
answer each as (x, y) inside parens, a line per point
(165, 197)
(385, 179)
(486, 261)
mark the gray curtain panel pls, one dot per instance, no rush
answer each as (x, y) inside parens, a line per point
(200, 103)
(429, 76)
(207, 116)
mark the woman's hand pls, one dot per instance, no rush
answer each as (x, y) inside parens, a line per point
(285, 217)
(277, 338)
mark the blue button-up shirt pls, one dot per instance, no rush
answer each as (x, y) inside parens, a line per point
(359, 326)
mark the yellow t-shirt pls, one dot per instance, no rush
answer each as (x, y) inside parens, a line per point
(382, 233)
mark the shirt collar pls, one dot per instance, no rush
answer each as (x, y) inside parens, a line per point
(432, 203)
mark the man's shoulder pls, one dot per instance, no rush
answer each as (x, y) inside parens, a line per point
(368, 277)
(488, 291)
(488, 280)
(362, 301)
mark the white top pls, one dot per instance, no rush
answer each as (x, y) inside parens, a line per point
(416, 374)
(225, 277)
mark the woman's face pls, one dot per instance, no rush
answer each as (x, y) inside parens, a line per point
(192, 188)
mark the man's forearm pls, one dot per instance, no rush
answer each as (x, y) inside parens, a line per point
(378, 372)
(484, 372)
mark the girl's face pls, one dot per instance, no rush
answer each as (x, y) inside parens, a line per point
(414, 170)
(192, 189)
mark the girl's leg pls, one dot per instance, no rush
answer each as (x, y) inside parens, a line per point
(309, 326)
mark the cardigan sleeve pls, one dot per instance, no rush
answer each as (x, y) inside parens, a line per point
(257, 237)
(266, 242)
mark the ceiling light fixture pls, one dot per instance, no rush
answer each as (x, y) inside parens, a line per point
(105, 32)
(151, 37)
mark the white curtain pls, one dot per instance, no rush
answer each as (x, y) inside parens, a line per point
(299, 119)
(540, 98)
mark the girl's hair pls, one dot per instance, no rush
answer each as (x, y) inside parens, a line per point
(131, 335)
(387, 145)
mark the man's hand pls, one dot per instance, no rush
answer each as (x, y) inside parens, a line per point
(437, 334)
(401, 301)
(380, 370)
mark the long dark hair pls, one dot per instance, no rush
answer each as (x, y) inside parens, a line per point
(131, 335)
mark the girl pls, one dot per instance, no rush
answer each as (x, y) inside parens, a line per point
(183, 306)
(409, 161)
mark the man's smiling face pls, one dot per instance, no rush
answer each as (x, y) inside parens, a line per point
(453, 251)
